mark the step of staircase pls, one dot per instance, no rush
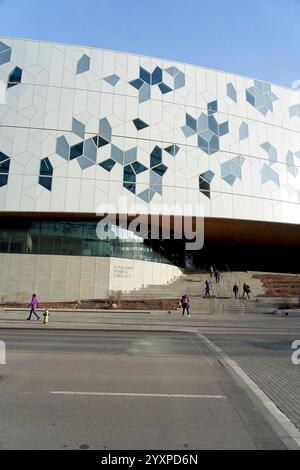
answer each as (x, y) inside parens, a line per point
(222, 298)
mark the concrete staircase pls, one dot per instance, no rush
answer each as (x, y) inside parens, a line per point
(222, 300)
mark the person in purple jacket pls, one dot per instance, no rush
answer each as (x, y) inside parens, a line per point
(33, 306)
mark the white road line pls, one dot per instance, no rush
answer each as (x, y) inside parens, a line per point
(281, 424)
(151, 395)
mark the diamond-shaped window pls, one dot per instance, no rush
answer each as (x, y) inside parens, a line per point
(15, 77)
(83, 64)
(139, 124)
(107, 164)
(172, 149)
(164, 88)
(46, 169)
(112, 79)
(156, 156)
(76, 150)
(160, 169)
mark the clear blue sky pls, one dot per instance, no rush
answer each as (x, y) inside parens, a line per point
(258, 38)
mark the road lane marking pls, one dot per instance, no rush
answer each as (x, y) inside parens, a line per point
(151, 395)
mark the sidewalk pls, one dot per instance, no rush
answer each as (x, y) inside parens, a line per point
(147, 320)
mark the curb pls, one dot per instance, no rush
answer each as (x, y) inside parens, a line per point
(281, 424)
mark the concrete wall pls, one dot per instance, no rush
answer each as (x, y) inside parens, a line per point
(127, 275)
(61, 278)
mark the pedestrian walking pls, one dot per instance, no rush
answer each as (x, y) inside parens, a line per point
(33, 306)
(211, 271)
(217, 276)
(246, 290)
(235, 290)
(185, 304)
(207, 288)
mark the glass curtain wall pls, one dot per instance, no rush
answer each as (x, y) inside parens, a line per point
(74, 238)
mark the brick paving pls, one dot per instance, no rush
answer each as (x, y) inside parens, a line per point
(267, 361)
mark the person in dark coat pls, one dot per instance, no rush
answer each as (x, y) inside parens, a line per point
(246, 290)
(235, 290)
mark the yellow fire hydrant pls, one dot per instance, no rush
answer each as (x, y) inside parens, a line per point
(46, 316)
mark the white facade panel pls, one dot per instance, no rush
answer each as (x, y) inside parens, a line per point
(113, 124)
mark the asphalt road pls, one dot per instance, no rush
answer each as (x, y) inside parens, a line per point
(122, 390)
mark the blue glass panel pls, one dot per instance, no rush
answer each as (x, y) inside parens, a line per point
(112, 79)
(202, 122)
(258, 85)
(5, 56)
(62, 147)
(3, 180)
(204, 187)
(139, 124)
(164, 88)
(156, 76)
(105, 129)
(160, 169)
(223, 128)
(76, 150)
(137, 83)
(15, 77)
(101, 141)
(179, 81)
(212, 124)
(46, 168)
(172, 71)
(191, 122)
(188, 131)
(212, 107)
(130, 155)
(83, 64)
(155, 178)
(172, 149)
(145, 93)
(214, 144)
(250, 98)
(129, 174)
(46, 182)
(90, 149)
(85, 162)
(117, 154)
(243, 131)
(78, 128)
(145, 75)
(156, 189)
(203, 144)
(138, 167)
(3, 157)
(231, 92)
(130, 187)
(107, 164)
(230, 179)
(4, 165)
(145, 195)
(208, 175)
(3, 47)
(155, 157)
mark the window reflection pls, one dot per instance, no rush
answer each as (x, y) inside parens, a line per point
(74, 238)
